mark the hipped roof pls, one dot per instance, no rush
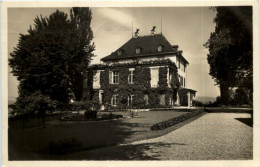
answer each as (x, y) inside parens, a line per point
(148, 46)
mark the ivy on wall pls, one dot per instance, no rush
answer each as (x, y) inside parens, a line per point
(140, 87)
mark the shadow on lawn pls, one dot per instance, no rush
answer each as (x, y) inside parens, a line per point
(122, 152)
(39, 143)
(247, 121)
(57, 141)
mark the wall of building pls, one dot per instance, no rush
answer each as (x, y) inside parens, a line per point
(143, 90)
(181, 72)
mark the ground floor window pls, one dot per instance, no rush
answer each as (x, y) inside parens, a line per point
(114, 100)
(146, 99)
(130, 100)
(162, 99)
(170, 100)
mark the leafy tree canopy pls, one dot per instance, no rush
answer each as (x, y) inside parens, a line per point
(230, 49)
(52, 57)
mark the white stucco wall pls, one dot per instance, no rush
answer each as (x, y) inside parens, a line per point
(180, 71)
(172, 58)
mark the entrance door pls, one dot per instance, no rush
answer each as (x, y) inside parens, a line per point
(184, 100)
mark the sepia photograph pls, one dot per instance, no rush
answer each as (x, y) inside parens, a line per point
(137, 83)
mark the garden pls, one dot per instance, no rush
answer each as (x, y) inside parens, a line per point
(63, 137)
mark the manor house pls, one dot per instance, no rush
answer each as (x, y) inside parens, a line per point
(145, 72)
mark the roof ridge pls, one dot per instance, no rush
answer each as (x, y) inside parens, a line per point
(148, 36)
(147, 42)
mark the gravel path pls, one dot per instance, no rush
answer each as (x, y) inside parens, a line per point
(214, 136)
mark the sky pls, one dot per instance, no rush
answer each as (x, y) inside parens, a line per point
(188, 27)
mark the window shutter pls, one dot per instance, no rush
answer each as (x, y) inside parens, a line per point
(134, 76)
(146, 99)
(110, 77)
(154, 77)
(151, 82)
(168, 77)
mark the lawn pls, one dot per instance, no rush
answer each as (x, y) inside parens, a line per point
(53, 141)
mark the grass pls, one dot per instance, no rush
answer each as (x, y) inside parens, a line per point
(207, 138)
(45, 143)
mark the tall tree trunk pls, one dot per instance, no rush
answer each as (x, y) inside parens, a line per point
(224, 93)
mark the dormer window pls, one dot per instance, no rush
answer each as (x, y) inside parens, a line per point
(119, 52)
(159, 48)
(138, 50)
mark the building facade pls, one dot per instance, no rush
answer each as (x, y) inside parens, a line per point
(146, 72)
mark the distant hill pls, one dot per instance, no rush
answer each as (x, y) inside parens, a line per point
(205, 99)
(11, 100)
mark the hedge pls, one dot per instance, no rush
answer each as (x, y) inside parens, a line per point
(165, 124)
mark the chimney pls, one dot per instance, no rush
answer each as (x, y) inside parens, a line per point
(137, 33)
(153, 30)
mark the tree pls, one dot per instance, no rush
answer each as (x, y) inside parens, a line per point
(230, 49)
(81, 20)
(52, 57)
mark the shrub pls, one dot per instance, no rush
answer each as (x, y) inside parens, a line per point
(241, 97)
(216, 103)
(90, 114)
(81, 105)
(35, 103)
(210, 104)
(94, 105)
(197, 103)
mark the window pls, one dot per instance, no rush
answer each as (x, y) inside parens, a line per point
(178, 62)
(138, 50)
(146, 99)
(170, 79)
(162, 99)
(96, 80)
(154, 77)
(182, 65)
(130, 100)
(119, 52)
(160, 48)
(113, 77)
(183, 82)
(114, 100)
(131, 76)
(85, 84)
